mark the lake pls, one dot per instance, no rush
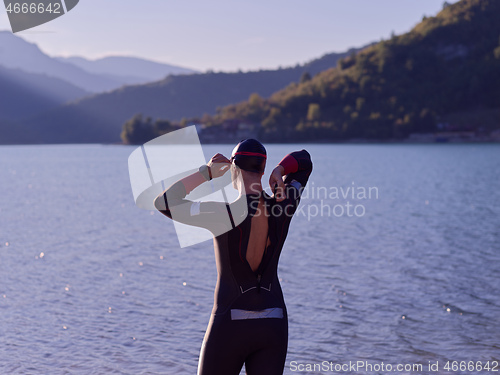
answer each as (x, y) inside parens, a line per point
(392, 258)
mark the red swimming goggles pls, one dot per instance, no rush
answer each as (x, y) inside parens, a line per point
(248, 153)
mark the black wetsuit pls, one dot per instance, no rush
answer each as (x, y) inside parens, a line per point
(249, 320)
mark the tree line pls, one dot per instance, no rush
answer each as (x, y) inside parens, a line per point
(406, 84)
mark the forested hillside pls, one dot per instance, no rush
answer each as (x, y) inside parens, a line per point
(99, 118)
(447, 67)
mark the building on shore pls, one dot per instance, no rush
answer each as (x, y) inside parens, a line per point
(454, 137)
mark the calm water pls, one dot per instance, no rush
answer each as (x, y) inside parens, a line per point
(90, 284)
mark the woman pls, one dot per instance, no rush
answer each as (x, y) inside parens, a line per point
(249, 320)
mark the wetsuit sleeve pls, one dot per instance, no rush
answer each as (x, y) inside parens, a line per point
(173, 204)
(297, 169)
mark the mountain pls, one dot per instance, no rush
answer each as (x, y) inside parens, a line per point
(442, 75)
(16, 53)
(100, 118)
(127, 70)
(27, 94)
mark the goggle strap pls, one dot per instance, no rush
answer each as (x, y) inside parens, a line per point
(248, 153)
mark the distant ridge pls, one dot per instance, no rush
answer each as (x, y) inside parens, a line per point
(99, 118)
(27, 94)
(127, 69)
(91, 76)
(16, 53)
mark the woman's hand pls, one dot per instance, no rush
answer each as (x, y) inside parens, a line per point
(276, 183)
(218, 165)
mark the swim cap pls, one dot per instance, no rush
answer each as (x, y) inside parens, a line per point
(250, 155)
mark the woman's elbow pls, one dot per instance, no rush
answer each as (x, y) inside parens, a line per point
(305, 161)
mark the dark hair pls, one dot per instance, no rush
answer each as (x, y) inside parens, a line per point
(250, 155)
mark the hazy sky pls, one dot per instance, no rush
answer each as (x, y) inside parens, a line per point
(224, 34)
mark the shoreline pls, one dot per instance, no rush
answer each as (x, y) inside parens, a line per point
(346, 142)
